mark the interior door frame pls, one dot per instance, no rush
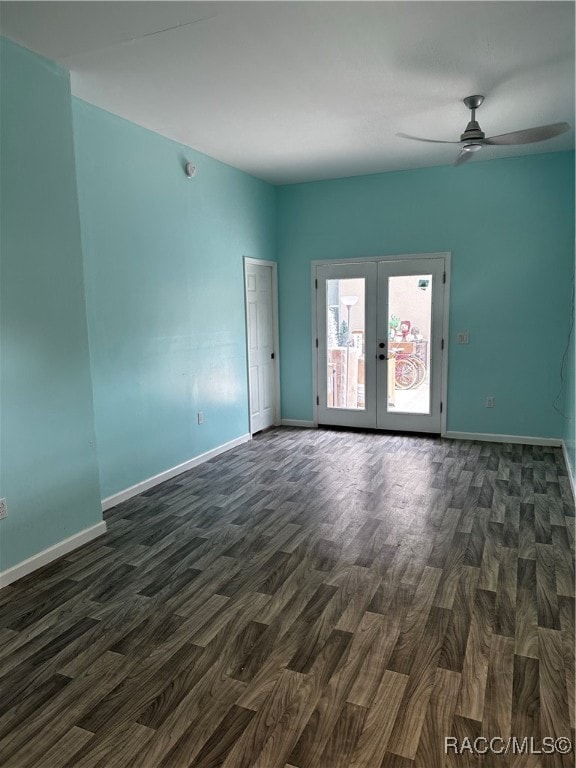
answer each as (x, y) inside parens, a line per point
(447, 256)
(264, 263)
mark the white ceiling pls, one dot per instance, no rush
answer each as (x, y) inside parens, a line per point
(296, 91)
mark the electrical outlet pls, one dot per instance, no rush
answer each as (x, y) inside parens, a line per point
(490, 402)
(462, 337)
(3, 508)
(200, 417)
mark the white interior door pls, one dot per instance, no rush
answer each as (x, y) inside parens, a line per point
(380, 347)
(261, 326)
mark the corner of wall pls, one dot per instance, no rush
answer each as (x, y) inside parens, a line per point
(49, 470)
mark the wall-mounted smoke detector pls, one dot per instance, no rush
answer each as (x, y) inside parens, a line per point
(190, 170)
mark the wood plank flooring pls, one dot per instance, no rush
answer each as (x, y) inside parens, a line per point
(311, 599)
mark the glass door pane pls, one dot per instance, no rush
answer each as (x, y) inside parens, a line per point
(410, 325)
(345, 343)
(409, 334)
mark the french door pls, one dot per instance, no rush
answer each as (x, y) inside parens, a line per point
(380, 347)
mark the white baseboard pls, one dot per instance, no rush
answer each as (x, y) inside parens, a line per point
(486, 437)
(168, 474)
(569, 468)
(52, 553)
(298, 423)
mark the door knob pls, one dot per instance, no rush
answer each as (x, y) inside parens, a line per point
(381, 357)
(381, 345)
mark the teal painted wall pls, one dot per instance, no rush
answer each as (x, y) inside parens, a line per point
(48, 468)
(510, 227)
(569, 412)
(163, 261)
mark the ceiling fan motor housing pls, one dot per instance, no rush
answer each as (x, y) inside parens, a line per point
(473, 132)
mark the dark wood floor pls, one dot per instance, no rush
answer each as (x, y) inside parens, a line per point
(312, 599)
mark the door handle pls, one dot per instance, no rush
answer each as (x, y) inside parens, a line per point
(382, 357)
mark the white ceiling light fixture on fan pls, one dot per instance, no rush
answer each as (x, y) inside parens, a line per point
(474, 138)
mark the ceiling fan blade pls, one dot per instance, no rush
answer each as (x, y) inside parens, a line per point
(429, 141)
(530, 135)
(463, 157)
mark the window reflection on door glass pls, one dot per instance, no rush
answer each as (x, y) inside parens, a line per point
(409, 334)
(346, 333)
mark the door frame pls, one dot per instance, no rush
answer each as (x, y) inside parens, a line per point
(447, 256)
(264, 263)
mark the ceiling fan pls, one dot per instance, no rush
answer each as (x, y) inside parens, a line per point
(474, 138)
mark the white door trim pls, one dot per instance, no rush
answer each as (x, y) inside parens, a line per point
(264, 263)
(446, 255)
